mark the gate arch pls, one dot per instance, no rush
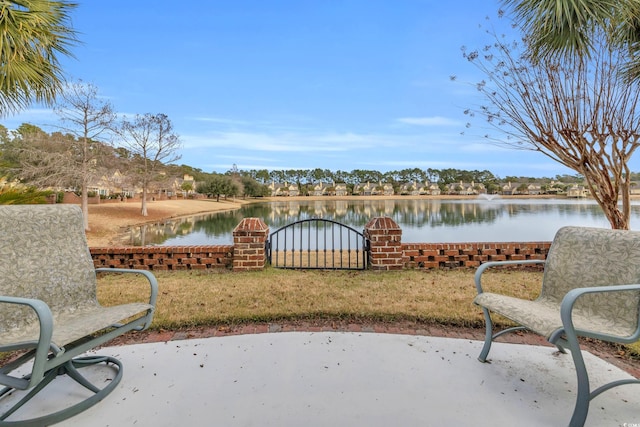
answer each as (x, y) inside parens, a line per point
(317, 243)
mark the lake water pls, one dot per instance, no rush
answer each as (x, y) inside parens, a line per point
(421, 220)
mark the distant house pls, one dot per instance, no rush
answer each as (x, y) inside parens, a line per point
(411, 188)
(534, 189)
(102, 186)
(577, 191)
(333, 189)
(114, 184)
(364, 189)
(555, 187)
(117, 184)
(294, 190)
(466, 188)
(419, 189)
(513, 188)
(432, 189)
(177, 186)
(475, 188)
(369, 189)
(341, 189)
(278, 189)
(382, 189)
(283, 190)
(387, 189)
(320, 189)
(453, 188)
(508, 189)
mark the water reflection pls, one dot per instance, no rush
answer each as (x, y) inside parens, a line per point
(421, 220)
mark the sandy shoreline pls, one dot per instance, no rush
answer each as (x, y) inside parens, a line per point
(107, 221)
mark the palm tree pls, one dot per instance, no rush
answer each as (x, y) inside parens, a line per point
(33, 33)
(566, 27)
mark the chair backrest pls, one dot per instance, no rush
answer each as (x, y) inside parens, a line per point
(44, 255)
(584, 257)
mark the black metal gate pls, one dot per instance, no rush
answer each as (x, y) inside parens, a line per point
(317, 243)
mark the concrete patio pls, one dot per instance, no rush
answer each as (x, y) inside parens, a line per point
(311, 379)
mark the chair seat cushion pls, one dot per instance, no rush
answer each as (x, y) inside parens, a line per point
(542, 316)
(70, 326)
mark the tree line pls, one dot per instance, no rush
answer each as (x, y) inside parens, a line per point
(256, 182)
(62, 160)
(396, 177)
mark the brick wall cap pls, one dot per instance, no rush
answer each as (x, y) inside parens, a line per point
(382, 223)
(253, 224)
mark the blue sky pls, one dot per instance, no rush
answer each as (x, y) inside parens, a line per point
(297, 84)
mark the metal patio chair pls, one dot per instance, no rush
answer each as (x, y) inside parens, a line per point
(590, 288)
(49, 311)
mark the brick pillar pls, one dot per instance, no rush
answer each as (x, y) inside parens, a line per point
(249, 239)
(385, 241)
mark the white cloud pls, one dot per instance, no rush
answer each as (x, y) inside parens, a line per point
(244, 158)
(220, 120)
(255, 142)
(288, 142)
(41, 117)
(429, 121)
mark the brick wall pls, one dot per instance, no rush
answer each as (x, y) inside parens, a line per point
(414, 255)
(170, 258)
(461, 255)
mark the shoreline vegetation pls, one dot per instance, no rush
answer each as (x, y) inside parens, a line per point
(108, 221)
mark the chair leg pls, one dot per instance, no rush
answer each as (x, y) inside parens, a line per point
(488, 337)
(71, 369)
(47, 378)
(561, 348)
(583, 395)
(73, 365)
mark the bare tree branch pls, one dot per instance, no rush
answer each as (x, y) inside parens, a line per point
(152, 142)
(88, 118)
(578, 111)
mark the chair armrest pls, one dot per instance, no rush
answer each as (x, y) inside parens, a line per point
(486, 265)
(153, 282)
(45, 319)
(570, 299)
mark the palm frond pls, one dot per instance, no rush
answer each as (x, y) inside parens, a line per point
(563, 27)
(33, 35)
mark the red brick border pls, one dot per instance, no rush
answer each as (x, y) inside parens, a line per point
(471, 254)
(164, 258)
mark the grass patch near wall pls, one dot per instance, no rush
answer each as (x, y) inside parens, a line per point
(194, 298)
(212, 298)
